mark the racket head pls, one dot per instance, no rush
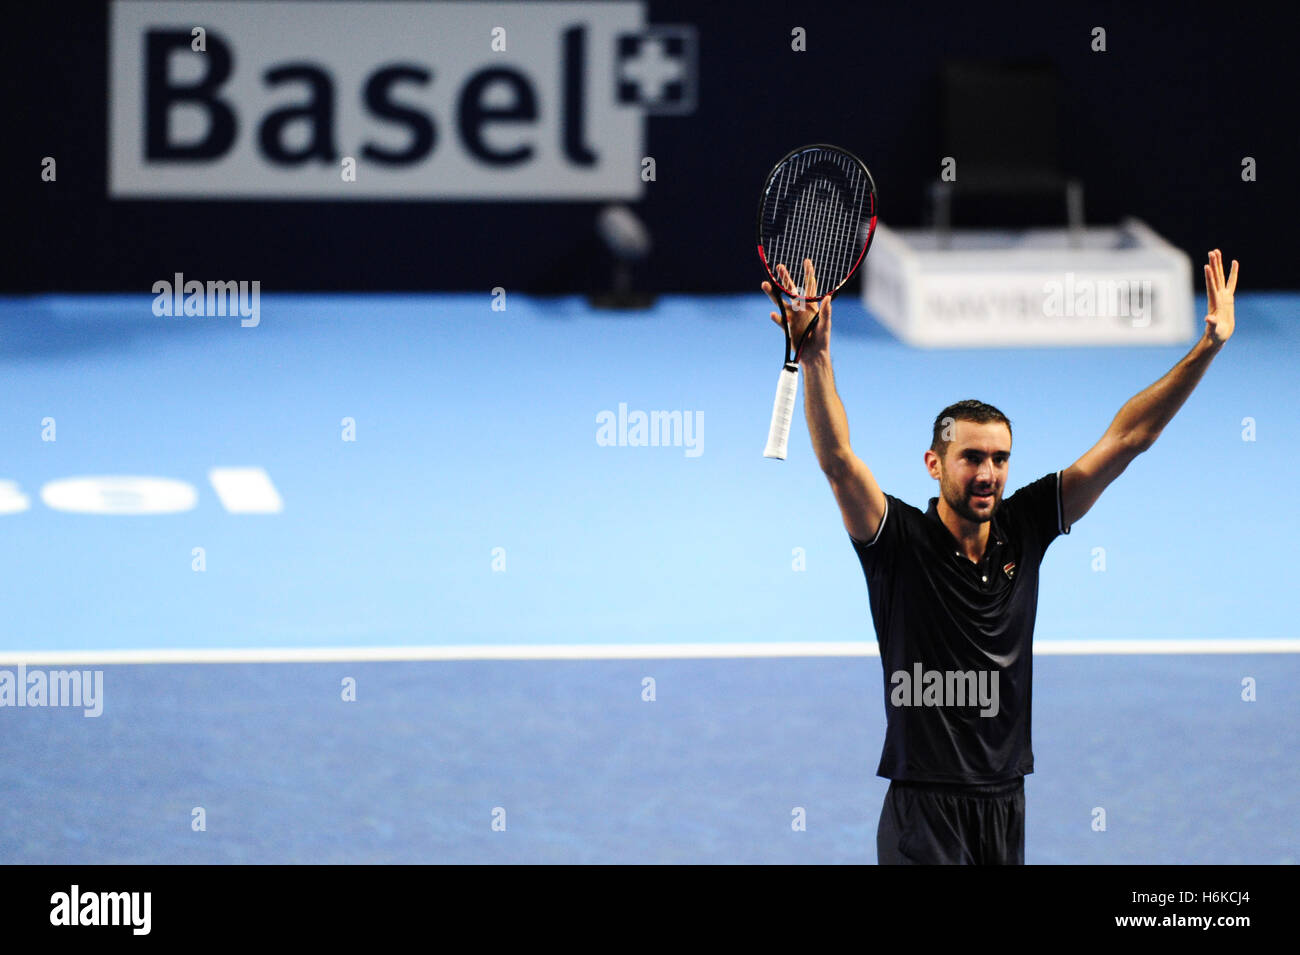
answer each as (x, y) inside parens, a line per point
(819, 202)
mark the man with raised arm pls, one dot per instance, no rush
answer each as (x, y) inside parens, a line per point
(954, 589)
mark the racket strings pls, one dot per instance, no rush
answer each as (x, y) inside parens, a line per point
(811, 234)
(818, 202)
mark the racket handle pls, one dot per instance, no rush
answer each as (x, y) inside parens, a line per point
(778, 435)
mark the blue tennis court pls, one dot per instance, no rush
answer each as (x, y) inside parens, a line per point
(443, 510)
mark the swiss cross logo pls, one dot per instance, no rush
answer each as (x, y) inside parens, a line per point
(1009, 569)
(656, 69)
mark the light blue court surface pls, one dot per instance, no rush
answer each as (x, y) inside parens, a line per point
(476, 507)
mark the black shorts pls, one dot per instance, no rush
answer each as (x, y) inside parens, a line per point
(936, 824)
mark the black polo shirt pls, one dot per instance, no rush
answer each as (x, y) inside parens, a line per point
(956, 638)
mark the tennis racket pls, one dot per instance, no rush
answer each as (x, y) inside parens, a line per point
(819, 202)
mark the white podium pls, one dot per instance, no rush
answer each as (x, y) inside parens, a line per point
(1121, 285)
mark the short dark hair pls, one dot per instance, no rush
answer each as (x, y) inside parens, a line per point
(968, 410)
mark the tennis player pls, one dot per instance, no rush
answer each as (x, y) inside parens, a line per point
(954, 591)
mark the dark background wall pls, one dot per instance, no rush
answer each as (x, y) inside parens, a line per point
(1156, 127)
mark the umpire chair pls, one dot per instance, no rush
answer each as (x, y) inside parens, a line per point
(1000, 124)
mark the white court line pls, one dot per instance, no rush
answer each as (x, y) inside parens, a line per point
(600, 651)
(246, 490)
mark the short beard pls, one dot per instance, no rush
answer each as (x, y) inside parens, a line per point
(959, 506)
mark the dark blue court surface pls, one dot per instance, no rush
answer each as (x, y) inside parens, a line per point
(586, 771)
(476, 508)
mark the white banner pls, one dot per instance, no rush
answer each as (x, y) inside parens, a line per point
(427, 100)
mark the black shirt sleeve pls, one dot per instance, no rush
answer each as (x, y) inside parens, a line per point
(879, 555)
(1036, 508)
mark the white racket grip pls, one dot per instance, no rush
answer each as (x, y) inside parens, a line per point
(778, 436)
